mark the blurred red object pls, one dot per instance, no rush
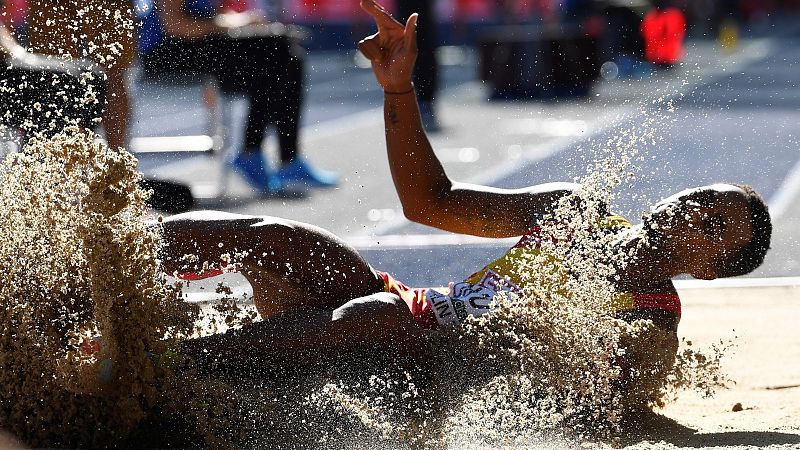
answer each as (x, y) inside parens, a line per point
(16, 11)
(663, 31)
(329, 10)
(236, 5)
(594, 26)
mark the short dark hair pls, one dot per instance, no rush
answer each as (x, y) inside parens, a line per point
(752, 255)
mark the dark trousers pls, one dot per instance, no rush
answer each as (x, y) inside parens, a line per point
(45, 95)
(267, 68)
(426, 72)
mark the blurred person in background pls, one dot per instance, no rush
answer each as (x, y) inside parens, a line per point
(42, 95)
(622, 39)
(99, 30)
(663, 30)
(426, 72)
(246, 55)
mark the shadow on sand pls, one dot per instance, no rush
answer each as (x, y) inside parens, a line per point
(647, 425)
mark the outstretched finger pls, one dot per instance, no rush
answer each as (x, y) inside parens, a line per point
(410, 35)
(370, 48)
(382, 17)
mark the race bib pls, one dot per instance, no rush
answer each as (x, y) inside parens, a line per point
(464, 299)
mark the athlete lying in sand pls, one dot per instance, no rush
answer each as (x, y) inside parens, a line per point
(318, 296)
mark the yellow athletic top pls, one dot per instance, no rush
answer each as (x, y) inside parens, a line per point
(473, 296)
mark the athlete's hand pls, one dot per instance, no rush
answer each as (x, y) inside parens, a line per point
(392, 50)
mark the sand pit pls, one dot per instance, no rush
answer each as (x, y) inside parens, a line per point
(762, 319)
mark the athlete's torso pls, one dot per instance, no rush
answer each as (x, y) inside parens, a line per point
(473, 296)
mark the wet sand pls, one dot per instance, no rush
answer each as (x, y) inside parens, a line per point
(763, 319)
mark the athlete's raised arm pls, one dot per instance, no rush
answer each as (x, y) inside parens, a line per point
(427, 194)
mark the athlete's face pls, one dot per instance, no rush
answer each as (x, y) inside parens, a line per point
(701, 228)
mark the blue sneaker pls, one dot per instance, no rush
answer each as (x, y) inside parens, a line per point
(300, 172)
(254, 169)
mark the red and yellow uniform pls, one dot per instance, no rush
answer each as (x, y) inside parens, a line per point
(450, 305)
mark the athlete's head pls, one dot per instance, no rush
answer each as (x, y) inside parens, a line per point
(720, 230)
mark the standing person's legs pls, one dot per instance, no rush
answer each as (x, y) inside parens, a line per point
(116, 116)
(108, 24)
(271, 69)
(252, 65)
(256, 66)
(287, 97)
(101, 30)
(38, 94)
(52, 28)
(217, 55)
(291, 265)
